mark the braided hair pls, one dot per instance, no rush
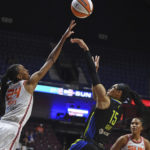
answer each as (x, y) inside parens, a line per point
(9, 77)
(125, 91)
(142, 111)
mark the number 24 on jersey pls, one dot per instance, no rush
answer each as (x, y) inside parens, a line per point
(12, 94)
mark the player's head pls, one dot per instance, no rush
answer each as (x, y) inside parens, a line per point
(14, 73)
(23, 73)
(120, 91)
(136, 125)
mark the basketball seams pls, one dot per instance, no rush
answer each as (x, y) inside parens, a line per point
(77, 13)
(82, 8)
(86, 8)
(79, 8)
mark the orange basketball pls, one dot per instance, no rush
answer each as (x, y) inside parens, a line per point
(82, 8)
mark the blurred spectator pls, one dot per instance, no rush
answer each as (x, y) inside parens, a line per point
(40, 129)
(31, 137)
(25, 139)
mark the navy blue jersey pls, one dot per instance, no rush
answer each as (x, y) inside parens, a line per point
(101, 122)
(99, 127)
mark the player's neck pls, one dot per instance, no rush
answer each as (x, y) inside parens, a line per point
(136, 137)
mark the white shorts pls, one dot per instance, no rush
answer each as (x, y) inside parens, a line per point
(9, 135)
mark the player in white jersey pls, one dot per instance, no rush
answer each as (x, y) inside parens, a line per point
(16, 92)
(133, 141)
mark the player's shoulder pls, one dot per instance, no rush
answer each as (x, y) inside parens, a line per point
(115, 104)
(146, 141)
(12, 85)
(147, 144)
(115, 101)
(124, 138)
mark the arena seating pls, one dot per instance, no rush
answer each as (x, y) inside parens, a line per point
(42, 141)
(117, 65)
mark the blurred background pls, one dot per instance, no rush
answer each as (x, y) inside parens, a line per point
(117, 30)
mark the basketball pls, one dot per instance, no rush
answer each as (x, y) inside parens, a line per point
(82, 8)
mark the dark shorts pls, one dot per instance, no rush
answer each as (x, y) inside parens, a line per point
(78, 144)
(81, 144)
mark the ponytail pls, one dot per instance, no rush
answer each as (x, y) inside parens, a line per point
(4, 87)
(142, 111)
(7, 79)
(137, 100)
(127, 95)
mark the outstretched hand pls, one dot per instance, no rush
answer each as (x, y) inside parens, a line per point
(80, 42)
(96, 61)
(69, 31)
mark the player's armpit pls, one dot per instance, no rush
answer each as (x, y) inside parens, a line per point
(30, 85)
(102, 100)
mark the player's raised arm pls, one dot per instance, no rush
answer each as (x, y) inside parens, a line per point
(103, 101)
(96, 62)
(34, 79)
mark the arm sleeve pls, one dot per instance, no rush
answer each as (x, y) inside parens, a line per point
(91, 68)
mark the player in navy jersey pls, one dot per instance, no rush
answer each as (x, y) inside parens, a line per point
(108, 107)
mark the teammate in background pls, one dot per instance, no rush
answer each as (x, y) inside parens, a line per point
(133, 141)
(17, 89)
(108, 107)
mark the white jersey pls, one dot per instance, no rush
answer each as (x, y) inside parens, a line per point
(18, 110)
(132, 145)
(18, 104)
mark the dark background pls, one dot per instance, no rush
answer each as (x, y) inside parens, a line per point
(118, 30)
(126, 24)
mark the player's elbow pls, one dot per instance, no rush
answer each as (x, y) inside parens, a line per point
(40, 75)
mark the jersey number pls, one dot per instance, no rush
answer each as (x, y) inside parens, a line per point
(114, 118)
(134, 148)
(12, 94)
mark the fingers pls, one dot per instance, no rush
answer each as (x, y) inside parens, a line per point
(80, 42)
(71, 32)
(72, 24)
(93, 59)
(97, 58)
(75, 40)
(72, 40)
